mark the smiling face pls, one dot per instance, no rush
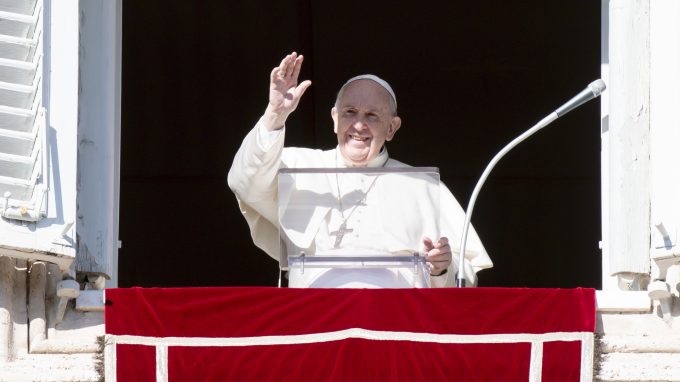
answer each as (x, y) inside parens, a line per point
(364, 118)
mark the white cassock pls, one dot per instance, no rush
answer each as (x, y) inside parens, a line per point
(372, 207)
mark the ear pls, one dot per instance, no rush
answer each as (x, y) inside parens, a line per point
(395, 124)
(334, 115)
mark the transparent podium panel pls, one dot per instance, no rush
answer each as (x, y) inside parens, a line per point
(357, 227)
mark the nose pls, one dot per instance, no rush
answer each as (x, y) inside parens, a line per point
(359, 124)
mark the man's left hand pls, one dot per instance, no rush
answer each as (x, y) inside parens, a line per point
(438, 254)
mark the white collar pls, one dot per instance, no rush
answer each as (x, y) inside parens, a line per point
(378, 161)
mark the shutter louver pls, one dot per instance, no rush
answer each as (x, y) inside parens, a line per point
(23, 132)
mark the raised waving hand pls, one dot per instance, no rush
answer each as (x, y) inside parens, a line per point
(284, 91)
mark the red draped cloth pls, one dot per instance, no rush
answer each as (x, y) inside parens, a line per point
(286, 334)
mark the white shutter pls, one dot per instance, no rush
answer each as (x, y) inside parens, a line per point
(23, 160)
(38, 131)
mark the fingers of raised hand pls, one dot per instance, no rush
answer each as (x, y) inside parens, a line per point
(279, 72)
(283, 66)
(289, 69)
(300, 89)
(296, 66)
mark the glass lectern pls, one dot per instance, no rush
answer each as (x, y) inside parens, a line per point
(357, 227)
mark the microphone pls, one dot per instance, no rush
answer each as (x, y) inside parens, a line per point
(593, 90)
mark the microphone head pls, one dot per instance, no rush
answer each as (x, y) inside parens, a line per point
(597, 87)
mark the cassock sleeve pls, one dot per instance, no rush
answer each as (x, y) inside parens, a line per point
(253, 179)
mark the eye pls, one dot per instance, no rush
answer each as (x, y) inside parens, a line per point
(372, 116)
(349, 112)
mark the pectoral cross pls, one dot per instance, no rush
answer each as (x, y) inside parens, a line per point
(340, 233)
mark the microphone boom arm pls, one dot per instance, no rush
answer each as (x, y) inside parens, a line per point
(593, 90)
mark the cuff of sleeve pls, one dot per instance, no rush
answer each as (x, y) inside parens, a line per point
(439, 281)
(266, 138)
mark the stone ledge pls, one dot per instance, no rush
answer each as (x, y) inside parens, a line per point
(623, 301)
(638, 367)
(64, 346)
(635, 344)
(90, 301)
(51, 367)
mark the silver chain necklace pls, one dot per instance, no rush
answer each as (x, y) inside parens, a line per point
(343, 229)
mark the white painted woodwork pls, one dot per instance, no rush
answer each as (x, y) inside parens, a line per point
(60, 95)
(99, 138)
(628, 218)
(23, 153)
(664, 140)
(18, 6)
(609, 282)
(17, 24)
(38, 129)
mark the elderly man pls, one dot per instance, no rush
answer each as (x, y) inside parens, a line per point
(364, 118)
